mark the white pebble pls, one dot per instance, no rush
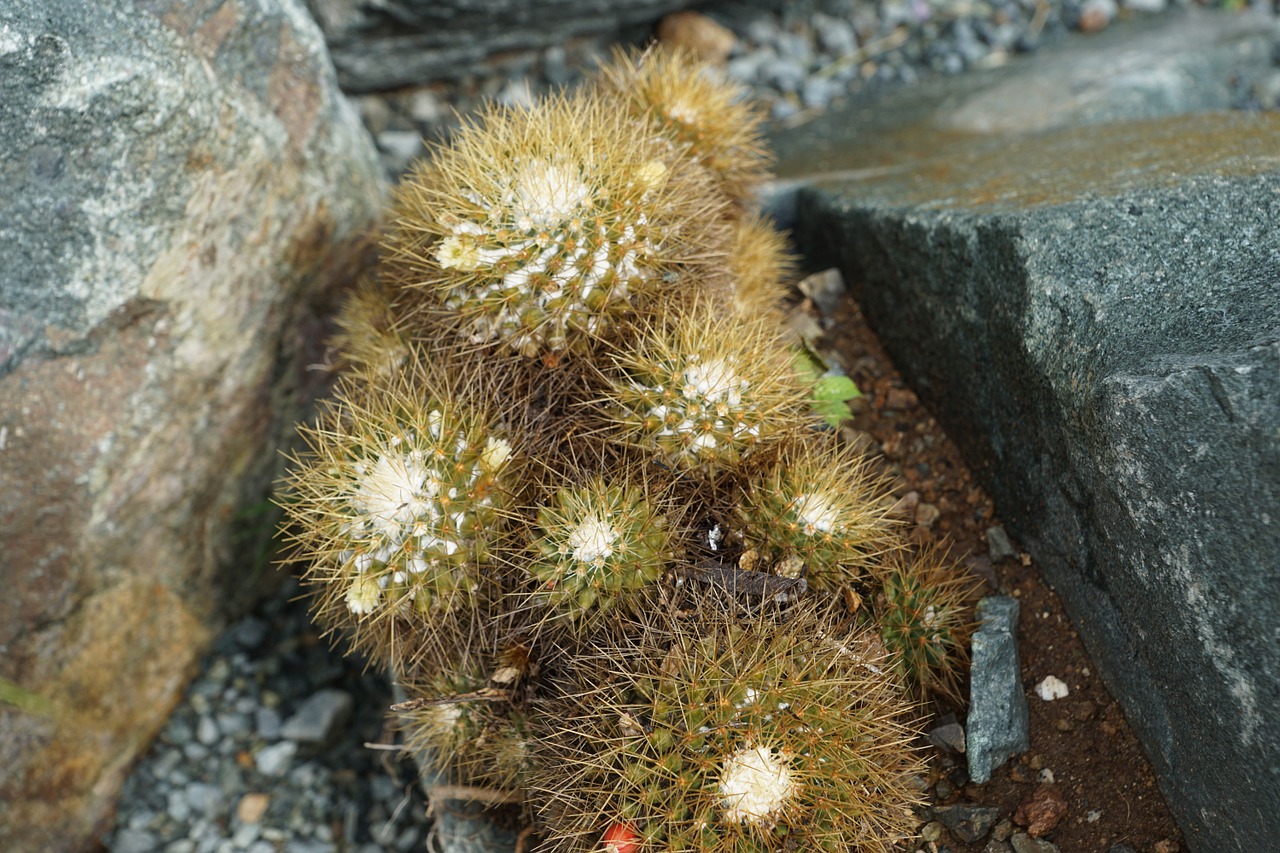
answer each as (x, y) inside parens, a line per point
(1052, 688)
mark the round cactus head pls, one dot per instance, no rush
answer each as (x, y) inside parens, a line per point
(820, 509)
(721, 733)
(923, 619)
(597, 544)
(369, 337)
(464, 728)
(702, 115)
(760, 267)
(542, 228)
(704, 390)
(395, 505)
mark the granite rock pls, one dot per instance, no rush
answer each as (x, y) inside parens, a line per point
(1075, 264)
(183, 190)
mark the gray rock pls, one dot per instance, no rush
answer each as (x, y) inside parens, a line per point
(205, 799)
(320, 718)
(998, 715)
(1087, 301)
(268, 723)
(998, 545)
(966, 821)
(183, 190)
(178, 806)
(274, 760)
(835, 36)
(1023, 843)
(249, 632)
(134, 841)
(382, 46)
(949, 737)
(207, 731)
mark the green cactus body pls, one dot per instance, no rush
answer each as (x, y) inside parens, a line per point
(472, 739)
(596, 544)
(548, 224)
(704, 119)
(922, 621)
(822, 505)
(397, 502)
(707, 392)
(734, 736)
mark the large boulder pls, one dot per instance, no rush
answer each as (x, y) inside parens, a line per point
(1077, 264)
(183, 189)
(378, 46)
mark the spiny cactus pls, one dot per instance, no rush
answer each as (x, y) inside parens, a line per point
(702, 117)
(721, 733)
(596, 543)
(464, 727)
(707, 388)
(819, 508)
(923, 619)
(545, 228)
(601, 540)
(396, 503)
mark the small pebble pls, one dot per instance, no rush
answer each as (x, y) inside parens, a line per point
(1052, 688)
(1023, 843)
(274, 760)
(252, 807)
(999, 546)
(133, 841)
(1096, 15)
(966, 821)
(320, 718)
(927, 514)
(949, 737)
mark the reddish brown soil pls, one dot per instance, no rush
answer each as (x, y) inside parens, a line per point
(1083, 740)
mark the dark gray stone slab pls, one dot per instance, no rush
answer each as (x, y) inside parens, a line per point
(1078, 267)
(380, 46)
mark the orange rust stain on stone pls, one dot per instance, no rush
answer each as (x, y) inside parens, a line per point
(210, 35)
(291, 93)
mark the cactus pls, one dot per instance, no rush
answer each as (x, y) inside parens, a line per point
(702, 393)
(731, 734)
(603, 541)
(396, 504)
(597, 543)
(544, 230)
(922, 614)
(819, 508)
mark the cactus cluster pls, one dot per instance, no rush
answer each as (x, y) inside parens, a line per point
(573, 492)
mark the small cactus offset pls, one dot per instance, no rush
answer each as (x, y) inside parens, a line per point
(574, 492)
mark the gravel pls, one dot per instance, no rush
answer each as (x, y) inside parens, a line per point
(796, 62)
(267, 754)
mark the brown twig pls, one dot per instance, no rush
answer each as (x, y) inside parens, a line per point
(738, 582)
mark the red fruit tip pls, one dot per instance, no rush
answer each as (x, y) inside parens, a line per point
(621, 838)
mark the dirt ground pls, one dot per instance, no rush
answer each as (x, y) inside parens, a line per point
(1083, 754)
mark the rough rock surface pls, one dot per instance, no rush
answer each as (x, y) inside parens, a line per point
(998, 716)
(379, 46)
(183, 187)
(1077, 267)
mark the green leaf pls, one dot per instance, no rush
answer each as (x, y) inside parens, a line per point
(24, 700)
(833, 388)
